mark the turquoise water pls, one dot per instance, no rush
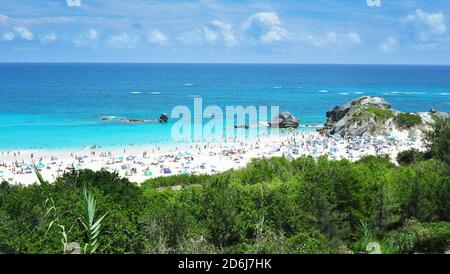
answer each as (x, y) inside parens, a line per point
(60, 105)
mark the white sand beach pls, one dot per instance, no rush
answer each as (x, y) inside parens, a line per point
(142, 162)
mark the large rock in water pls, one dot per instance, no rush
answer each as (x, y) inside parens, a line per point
(364, 115)
(284, 120)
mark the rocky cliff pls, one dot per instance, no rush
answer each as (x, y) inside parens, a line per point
(374, 116)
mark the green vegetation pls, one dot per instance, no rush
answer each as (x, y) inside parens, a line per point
(407, 120)
(438, 140)
(271, 206)
(379, 114)
(410, 156)
(91, 226)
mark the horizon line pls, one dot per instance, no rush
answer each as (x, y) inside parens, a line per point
(231, 63)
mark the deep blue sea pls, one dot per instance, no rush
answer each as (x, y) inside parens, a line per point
(61, 105)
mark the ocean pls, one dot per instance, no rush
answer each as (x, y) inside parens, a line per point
(61, 105)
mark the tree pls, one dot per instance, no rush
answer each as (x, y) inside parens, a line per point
(438, 139)
(410, 156)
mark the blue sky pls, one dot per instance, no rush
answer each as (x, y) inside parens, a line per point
(226, 31)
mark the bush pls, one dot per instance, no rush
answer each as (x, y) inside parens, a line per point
(418, 237)
(410, 156)
(308, 242)
(407, 120)
(422, 191)
(438, 140)
(271, 206)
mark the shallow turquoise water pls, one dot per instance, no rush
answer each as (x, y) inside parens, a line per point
(60, 105)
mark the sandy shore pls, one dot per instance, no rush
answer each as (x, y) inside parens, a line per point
(142, 162)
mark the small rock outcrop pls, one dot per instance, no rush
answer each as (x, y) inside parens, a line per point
(135, 121)
(284, 120)
(164, 118)
(242, 126)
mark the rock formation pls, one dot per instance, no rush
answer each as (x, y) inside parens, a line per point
(164, 118)
(374, 116)
(284, 120)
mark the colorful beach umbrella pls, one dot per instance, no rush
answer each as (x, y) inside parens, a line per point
(148, 173)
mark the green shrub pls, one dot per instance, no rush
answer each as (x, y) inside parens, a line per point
(272, 206)
(410, 156)
(308, 242)
(407, 120)
(379, 114)
(418, 237)
(438, 140)
(399, 241)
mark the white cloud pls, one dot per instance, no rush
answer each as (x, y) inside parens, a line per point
(214, 32)
(388, 45)
(157, 37)
(332, 39)
(122, 41)
(198, 36)
(48, 38)
(3, 19)
(86, 39)
(266, 18)
(266, 26)
(427, 30)
(8, 36)
(24, 33)
(224, 31)
(354, 38)
(373, 3)
(93, 34)
(434, 21)
(73, 3)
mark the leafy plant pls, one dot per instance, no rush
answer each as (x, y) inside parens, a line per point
(365, 231)
(51, 209)
(91, 226)
(407, 120)
(56, 222)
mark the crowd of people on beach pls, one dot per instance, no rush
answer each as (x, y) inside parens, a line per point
(139, 163)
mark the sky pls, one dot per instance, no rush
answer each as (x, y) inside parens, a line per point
(226, 31)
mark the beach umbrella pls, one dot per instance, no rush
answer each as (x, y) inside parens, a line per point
(148, 173)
